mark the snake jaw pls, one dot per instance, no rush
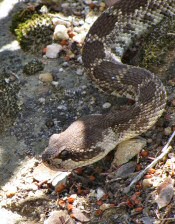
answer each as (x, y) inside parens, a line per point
(58, 153)
(54, 152)
(59, 159)
(48, 157)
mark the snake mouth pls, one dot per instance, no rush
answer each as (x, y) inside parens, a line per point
(53, 164)
(46, 158)
(55, 159)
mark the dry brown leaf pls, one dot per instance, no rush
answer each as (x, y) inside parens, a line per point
(59, 217)
(77, 214)
(165, 192)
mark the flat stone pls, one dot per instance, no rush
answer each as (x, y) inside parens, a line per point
(46, 77)
(127, 150)
(53, 50)
(56, 217)
(106, 105)
(8, 217)
(61, 32)
(43, 173)
(125, 170)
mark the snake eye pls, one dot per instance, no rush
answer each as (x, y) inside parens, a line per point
(64, 155)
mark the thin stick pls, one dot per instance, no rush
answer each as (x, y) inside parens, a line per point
(165, 151)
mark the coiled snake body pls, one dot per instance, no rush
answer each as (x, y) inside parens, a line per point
(90, 138)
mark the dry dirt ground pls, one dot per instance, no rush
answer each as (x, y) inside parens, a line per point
(90, 194)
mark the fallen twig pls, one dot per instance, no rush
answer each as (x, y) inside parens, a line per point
(167, 213)
(165, 151)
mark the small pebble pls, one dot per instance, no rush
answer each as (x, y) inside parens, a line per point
(65, 64)
(32, 187)
(46, 77)
(83, 93)
(167, 131)
(100, 193)
(84, 87)
(44, 9)
(81, 22)
(147, 183)
(42, 217)
(12, 190)
(149, 140)
(79, 71)
(79, 38)
(173, 102)
(57, 21)
(42, 100)
(102, 6)
(105, 206)
(106, 105)
(61, 33)
(77, 29)
(53, 50)
(62, 107)
(65, 5)
(172, 82)
(79, 59)
(90, 19)
(60, 179)
(61, 70)
(55, 83)
(87, 2)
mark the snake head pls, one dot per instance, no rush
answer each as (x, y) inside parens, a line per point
(83, 142)
(55, 153)
(68, 150)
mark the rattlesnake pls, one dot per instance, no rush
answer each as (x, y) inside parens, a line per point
(90, 138)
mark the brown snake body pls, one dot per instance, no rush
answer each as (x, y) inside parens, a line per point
(90, 138)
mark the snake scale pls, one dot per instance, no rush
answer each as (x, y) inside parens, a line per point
(90, 138)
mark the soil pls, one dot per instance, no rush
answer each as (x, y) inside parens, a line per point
(46, 108)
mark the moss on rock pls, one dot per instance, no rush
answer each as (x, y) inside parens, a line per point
(151, 50)
(158, 43)
(20, 17)
(35, 33)
(9, 104)
(33, 66)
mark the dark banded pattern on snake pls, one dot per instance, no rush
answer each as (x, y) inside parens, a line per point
(90, 138)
